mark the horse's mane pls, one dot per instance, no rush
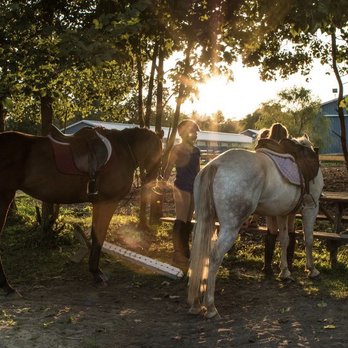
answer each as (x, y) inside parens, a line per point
(128, 134)
(135, 132)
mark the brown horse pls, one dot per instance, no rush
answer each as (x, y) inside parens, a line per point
(27, 163)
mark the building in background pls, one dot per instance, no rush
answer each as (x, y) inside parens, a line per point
(210, 143)
(253, 133)
(329, 110)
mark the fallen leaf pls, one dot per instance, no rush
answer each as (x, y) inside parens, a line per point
(322, 304)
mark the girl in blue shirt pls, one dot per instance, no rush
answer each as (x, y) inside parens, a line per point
(185, 157)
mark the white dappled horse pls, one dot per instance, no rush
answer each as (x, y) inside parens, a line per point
(229, 189)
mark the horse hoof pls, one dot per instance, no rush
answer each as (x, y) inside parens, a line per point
(288, 280)
(101, 280)
(15, 294)
(285, 274)
(102, 285)
(196, 310)
(315, 274)
(9, 290)
(268, 273)
(212, 314)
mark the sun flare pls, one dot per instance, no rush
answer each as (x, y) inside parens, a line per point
(213, 95)
(242, 96)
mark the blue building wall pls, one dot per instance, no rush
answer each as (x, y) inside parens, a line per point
(329, 110)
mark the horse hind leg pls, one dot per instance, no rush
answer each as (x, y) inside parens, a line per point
(5, 201)
(284, 242)
(227, 236)
(102, 214)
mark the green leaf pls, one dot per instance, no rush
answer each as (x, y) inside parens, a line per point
(344, 103)
(97, 24)
(8, 103)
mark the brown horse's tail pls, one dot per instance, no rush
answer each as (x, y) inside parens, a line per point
(202, 233)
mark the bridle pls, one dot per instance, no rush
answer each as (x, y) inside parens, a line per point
(142, 174)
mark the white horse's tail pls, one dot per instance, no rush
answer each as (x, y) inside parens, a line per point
(202, 234)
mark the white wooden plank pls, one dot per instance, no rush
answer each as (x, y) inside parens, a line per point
(152, 264)
(115, 250)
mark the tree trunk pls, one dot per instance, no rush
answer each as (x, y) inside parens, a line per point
(156, 200)
(46, 114)
(340, 110)
(140, 89)
(179, 101)
(159, 97)
(150, 89)
(2, 116)
(143, 192)
(49, 211)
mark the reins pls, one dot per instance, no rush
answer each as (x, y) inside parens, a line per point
(135, 162)
(136, 166)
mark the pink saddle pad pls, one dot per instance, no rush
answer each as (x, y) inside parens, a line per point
(286, 165)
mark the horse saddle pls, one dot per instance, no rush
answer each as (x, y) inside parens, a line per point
(83, 153)
(306, 159)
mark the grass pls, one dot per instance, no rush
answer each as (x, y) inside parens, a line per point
(29, 258)
(248, 254)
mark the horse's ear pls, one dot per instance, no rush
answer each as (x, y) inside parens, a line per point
(306, 136)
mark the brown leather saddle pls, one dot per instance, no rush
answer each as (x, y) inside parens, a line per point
(306, 159)
(84, 153)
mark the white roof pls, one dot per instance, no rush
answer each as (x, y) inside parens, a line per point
(332, 100)
(201, 136)
(224, 137)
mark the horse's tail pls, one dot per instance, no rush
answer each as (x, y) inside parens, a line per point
(202, 233)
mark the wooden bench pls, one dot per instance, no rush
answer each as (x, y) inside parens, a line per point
(339, 201)
(333, 240)
(323, 217)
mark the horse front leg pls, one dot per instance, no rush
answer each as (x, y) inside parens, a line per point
(8, 289)
(102, 214)
(282, 222)
(222, 246)
(5, 202)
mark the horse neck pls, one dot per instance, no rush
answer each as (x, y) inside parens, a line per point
(134, 143)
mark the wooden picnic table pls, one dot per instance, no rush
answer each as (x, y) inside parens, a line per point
(333, 239)
(340, 202)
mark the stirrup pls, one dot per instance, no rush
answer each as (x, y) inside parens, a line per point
(92, 188)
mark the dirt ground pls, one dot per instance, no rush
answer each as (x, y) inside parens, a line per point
(142, 309)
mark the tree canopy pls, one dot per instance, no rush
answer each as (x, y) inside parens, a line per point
(72, 59)
(299, 111)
